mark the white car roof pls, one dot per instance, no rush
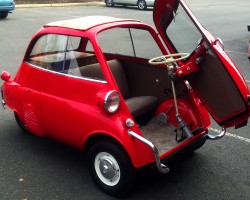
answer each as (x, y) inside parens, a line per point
(84, 23)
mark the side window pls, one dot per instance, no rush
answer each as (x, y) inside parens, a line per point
(145, 45)
(83, 65)
(61, 53)
(121, 40)
(182, 32)
(48, 52)
(129, 42)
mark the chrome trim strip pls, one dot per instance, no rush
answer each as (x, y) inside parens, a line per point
(68, 75)
(9, 7)
(217, 137)
(220, 43)
(3, 102)
(161, 167)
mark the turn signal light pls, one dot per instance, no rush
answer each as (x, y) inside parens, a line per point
(5, 76)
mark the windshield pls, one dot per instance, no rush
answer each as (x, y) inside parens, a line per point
(182, 32)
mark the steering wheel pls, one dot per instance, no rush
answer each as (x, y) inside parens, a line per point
(168, 59)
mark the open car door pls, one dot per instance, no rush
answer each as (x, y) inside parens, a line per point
(216, 79)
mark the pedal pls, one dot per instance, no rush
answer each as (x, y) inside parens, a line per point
(163, 118)
(179, 135)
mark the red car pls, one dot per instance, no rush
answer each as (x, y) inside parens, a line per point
(128, 95)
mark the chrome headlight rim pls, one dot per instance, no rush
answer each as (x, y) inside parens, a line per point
(112, 101)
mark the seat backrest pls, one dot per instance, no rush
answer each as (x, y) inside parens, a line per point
(94, 71)
(120, 76)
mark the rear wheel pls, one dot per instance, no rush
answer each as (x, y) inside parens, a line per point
(109, 3)
(198, 146)
(111, 168)
(21, 124)
(142, 5)
(3, 15)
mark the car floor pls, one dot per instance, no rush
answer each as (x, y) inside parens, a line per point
(162, 135)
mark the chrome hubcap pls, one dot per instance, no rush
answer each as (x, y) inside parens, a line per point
(109, 2)
(107, 168)
(141, 5)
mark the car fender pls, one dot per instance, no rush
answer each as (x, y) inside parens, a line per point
(139, 153)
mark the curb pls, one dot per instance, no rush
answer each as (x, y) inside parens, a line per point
(94, 3)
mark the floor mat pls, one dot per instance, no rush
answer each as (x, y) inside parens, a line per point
(162, 135)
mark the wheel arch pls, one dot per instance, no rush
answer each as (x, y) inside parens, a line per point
(138, 153)
(93, 138)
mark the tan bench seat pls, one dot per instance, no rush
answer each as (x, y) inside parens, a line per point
(137, 105)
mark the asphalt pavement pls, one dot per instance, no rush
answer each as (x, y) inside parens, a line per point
(90, 3)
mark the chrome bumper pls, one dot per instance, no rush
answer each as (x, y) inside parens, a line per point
(3, 102)
(7, 8)
(217, 137)
(161, 167)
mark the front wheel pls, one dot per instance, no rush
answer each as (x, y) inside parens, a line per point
(109, 3)
(111, 168)
(142, 5)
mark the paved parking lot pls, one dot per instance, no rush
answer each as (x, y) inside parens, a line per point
(37, 168)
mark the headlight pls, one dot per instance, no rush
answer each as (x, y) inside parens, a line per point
(112, 101)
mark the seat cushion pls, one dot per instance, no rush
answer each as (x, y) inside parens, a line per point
(141, 105)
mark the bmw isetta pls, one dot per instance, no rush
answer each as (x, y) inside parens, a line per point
(129, 95)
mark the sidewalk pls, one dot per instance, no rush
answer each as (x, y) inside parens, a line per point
(94, 3)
